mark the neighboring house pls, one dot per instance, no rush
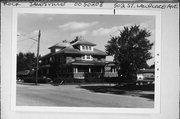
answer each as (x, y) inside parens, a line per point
(145, 75)
(22, 74)
(110, 70)
(78, 59)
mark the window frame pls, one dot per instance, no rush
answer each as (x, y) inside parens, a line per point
(85, 57)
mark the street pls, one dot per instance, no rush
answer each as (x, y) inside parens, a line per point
(91, 95)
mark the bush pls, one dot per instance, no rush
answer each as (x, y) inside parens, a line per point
(33, 80)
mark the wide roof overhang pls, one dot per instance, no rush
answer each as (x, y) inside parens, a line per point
(87, 63)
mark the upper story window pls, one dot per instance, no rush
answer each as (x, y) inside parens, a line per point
(90, 48)
(86, 48)
(113, 69)
(57, 50)
(87, 57)
(83, 47)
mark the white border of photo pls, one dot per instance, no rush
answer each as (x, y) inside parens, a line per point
(157, 15)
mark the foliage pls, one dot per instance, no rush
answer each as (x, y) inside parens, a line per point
(152, 66)
(25, 61)
(130, 50)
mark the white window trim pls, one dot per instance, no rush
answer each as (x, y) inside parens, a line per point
(86, 49)
(85, 57)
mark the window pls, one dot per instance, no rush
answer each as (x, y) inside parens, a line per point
(57, 50)
(87, 57)
(83, 57)
(86, 48)
(90, 48)
(113, 69)
(83, 47)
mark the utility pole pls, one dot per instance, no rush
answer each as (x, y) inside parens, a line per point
(37, 59)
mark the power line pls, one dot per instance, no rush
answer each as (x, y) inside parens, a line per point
(29, 35)
(37, 61)
(37, 58)
(31, 45)
(32, 38)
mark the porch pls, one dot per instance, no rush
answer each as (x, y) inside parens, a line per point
(86, 72)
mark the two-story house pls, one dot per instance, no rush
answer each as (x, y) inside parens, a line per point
(78, 59)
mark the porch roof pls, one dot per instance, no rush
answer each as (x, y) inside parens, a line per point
(87, 63)
(110, 63)
(146, 71)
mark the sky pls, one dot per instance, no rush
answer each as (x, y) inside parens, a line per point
(55, 28)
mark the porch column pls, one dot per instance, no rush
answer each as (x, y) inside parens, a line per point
(75, 69)
(101, 69)
(113, 69)
(89, 69)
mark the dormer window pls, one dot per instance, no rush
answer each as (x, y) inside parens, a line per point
(90, 48)
(86, 48)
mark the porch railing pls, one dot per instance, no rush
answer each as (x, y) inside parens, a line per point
(81, 75)
(110, 74)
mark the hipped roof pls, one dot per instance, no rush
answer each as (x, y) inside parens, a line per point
(83, 42)
(67, 48)
(61, 44)
(71, 50)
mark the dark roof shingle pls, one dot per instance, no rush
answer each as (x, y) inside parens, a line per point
(83, 42)
(61, 44)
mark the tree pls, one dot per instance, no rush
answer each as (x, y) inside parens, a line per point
(25, 61)
(152, 66)
(130, 51)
